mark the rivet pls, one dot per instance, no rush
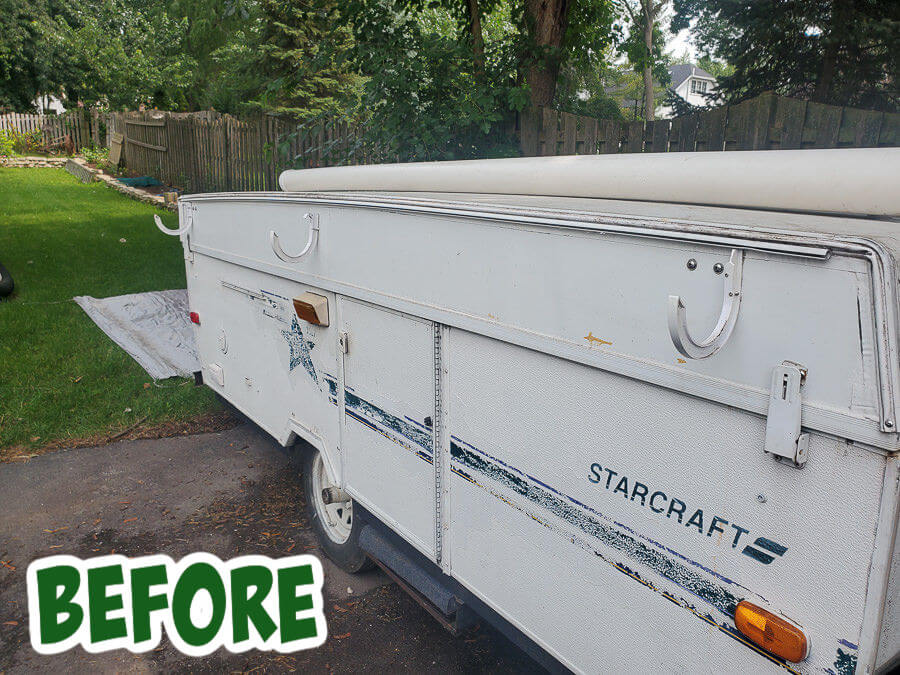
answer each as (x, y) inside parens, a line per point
(692, 264)
(761, 498)
(889, 424)
(718, 268)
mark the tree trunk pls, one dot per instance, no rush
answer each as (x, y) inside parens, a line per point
(547, 21)
(840, 16)
(477, 38)
(647, 13)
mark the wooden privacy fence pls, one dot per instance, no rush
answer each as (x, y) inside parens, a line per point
(82, 127)
(768, 122)
(208, 152)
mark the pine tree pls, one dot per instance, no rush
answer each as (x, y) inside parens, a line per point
(301, 76)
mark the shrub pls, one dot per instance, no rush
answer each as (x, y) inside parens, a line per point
(14, 142)
(30, 141)
(96, 156)
(7, 143)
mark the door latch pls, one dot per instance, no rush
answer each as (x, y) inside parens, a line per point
(783, 437)
(344, 342)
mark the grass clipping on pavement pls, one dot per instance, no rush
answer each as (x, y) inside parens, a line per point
(63, 382)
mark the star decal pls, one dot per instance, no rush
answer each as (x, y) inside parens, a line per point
(300, 349)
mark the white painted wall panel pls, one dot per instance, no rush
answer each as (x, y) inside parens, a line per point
(389, 375)
(545, 421)
(569, 285)
(275, 367)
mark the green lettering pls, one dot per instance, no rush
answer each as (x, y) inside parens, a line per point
(246, 609)
(195, 578)
(289, 603)
(100, 604)
(142, 603)
(52, 603)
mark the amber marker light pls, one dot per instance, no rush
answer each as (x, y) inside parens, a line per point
(312, 308)
(774, 634)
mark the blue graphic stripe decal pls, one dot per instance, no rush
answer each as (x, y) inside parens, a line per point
(469, 461)
(395, 429)
(584, 506)
(723, 627)
(717, 596)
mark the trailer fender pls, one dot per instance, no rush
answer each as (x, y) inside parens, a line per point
(332, 461)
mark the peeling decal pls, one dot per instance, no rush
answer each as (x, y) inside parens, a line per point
(845, 663)
(676, 511)
(275, 307)
(395, 429)
(299, 347)
(723, 626)
(717, 596)
(470, 464)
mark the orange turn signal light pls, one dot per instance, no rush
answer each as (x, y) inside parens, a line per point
(771, 632)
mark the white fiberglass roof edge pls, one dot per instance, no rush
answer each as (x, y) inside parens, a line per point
(862, 181)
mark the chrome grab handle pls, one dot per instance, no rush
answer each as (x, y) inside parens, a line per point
(310, 242)
(731, 306)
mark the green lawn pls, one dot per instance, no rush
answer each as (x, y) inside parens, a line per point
(61, 378)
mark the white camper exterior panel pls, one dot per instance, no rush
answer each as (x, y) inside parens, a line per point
(661, 495)
(504, 392)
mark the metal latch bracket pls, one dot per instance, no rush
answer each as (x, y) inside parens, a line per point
(783, 437)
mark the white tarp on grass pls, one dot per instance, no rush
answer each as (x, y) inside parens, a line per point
(154, 328)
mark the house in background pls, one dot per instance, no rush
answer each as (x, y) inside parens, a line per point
(48, 104)
(691, 83)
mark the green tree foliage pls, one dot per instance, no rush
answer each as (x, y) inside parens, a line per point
(845, 52)
(717, 69)
(443, 79)
(591, 87)
(110, 52)
(561, 36)
(301, 50)
(425, 96)
(220, 37)
(25, 69)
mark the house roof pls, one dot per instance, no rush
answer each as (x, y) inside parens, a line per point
(682, 71)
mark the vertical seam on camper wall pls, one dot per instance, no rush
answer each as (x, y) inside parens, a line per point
(436, 449)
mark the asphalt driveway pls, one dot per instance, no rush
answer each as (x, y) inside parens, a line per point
(228, 493)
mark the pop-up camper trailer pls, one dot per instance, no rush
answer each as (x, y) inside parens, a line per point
(639, 410)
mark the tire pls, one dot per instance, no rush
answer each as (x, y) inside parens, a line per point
(6, 282)
(334, 525)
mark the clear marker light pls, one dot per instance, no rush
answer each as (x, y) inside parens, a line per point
(771, 632)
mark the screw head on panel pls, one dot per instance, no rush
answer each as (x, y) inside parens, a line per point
(692, 264)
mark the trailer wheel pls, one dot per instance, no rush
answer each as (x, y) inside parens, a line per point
(334, 524)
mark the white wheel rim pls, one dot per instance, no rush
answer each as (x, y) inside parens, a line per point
(336, 518)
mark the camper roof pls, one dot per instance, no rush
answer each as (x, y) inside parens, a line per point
(841, 181)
